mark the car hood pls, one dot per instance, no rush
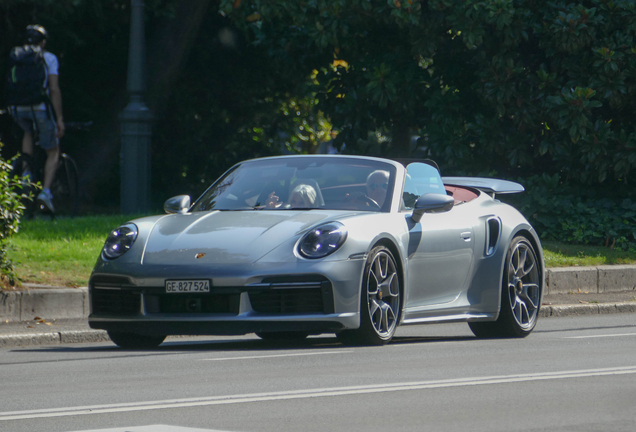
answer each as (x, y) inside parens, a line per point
(232, 237)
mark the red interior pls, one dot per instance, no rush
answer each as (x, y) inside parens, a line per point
(460, 194)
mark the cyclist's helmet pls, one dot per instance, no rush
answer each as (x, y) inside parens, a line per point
(35, 34)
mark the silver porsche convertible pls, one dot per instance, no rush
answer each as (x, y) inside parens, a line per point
(291, 246)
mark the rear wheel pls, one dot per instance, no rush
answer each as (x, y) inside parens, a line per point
(380, 301)
(65, 187)
(520, 297)
(135, 341)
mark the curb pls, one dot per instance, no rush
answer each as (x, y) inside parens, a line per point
(90, 336)
(599, 279)
(65, 337)
(43, 301)
(548, 311)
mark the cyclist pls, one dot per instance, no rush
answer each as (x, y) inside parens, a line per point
(44, 118)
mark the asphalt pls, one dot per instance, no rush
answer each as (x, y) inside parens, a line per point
(45, 315)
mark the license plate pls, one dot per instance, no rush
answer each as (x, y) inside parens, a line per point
(187, 286)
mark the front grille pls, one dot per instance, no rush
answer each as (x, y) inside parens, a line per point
(295, 300)
(115, 302)
(195, 303)
(273, 295)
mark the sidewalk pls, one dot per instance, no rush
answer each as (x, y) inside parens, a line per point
(43, 315)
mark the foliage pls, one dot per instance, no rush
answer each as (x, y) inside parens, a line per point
(11, 210)
(570, 215)
(242, 106)
(519, 86)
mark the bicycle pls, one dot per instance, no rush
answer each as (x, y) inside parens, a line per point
(65, 187)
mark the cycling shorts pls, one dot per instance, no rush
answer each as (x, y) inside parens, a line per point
(46, 127)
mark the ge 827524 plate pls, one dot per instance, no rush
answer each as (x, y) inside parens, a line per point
(187, 286)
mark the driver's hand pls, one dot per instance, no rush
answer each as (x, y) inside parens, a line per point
(272, 201)
(354, 196)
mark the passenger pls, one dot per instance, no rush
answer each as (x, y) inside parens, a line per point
(303, 196)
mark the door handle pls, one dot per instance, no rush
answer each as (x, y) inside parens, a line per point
(466, 236)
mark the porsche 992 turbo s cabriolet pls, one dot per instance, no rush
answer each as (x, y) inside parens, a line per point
(291, 246)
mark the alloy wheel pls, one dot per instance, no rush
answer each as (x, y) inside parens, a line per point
(383, 293)
(523, 285)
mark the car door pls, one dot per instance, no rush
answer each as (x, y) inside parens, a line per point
(440, 245)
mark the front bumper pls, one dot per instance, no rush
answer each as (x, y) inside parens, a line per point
(307, 302)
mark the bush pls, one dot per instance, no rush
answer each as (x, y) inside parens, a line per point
(574, 215)
(11, 209)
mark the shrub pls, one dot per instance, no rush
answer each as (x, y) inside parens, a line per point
(11, 209)
(575, 215)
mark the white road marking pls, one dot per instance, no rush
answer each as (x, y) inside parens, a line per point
(600, 336)
(153, 428)
(310, 393)
(277, 355)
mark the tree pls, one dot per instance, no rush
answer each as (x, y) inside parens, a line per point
(521, 87)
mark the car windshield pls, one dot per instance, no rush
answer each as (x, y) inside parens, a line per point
(303, 183)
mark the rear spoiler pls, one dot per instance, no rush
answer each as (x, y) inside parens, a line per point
(489, 185)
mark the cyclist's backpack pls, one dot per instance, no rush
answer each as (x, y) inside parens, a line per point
(26, 77)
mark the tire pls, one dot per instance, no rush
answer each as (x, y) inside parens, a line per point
(283, 336)
(380, 301)
(65, 187)
(520, 296)
(135, 341)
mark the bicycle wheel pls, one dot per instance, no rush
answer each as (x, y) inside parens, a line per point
(65, 187)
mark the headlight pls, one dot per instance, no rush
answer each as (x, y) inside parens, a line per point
(119, 241)
(323, 240)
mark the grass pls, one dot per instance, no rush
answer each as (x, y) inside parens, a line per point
(60, 252)
(63, 252)
(567, 255)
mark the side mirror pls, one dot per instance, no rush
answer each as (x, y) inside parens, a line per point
(432, 203)
(178, 204)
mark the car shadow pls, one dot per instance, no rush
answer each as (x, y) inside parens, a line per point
(175, 345)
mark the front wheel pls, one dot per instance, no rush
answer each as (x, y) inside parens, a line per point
(380, 301)
(135, 341)
(521, 294)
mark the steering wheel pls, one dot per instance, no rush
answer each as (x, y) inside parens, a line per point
(371, 203)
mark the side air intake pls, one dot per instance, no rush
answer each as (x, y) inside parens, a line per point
(493, 233)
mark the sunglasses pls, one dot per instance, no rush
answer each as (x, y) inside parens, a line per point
(374, 186)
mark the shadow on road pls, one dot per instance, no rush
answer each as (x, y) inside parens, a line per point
(243, 345)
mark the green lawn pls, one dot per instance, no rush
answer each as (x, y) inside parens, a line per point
(63, 252)
(60, 252)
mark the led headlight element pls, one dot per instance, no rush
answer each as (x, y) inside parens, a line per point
(119, 241)
(323, 240)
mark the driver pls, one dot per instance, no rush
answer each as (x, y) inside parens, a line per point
(377, 186)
